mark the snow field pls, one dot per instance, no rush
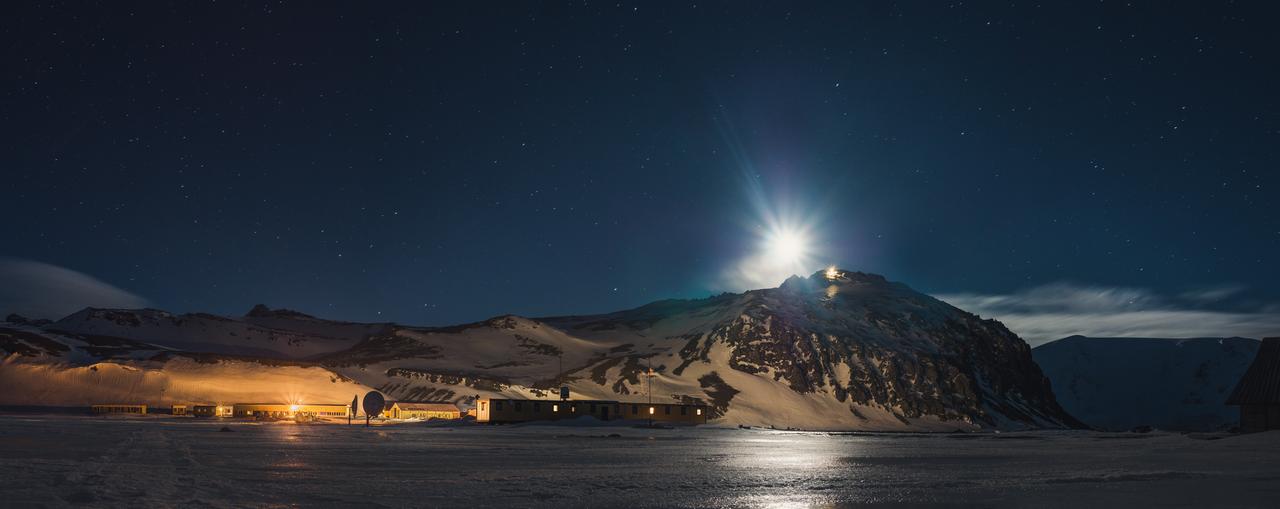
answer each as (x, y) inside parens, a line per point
(117, 461)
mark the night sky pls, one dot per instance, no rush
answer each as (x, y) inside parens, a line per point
(1066, 167)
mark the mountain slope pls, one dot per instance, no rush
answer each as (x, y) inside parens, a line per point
(838, 351)
(851, 351)
(1121, 383)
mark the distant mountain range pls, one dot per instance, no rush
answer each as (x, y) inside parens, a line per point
(1122, 383)
(840, 350)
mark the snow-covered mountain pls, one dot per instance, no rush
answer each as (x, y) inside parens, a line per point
(840, 350)
(280, 334)
(1122, 383)
(44, 367)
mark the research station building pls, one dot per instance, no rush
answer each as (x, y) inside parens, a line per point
(507, 411)
(120, 409)
(211, 411)
(403, 410)
(284, 411)
(1258, 393)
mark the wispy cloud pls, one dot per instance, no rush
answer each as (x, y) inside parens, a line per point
(1214, 294)
(39, 290)
(1058, 310)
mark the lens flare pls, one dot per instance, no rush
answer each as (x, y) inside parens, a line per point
(790, 235)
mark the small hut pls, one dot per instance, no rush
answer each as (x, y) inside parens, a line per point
(1258, 393)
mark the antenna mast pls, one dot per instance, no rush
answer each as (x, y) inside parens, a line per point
(650, 390)
(564, 391)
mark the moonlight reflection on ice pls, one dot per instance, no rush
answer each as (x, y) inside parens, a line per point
(171, 461)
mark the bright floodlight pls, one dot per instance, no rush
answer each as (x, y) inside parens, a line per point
(293, 408)
(831, 272)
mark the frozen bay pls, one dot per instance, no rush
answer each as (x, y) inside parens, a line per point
(158, 461)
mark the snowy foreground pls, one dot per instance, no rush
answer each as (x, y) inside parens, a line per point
(165, 461)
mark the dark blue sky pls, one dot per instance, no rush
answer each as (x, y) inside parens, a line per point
(433, 165)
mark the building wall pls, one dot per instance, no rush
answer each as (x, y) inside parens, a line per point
(211, 411)
(266, 411)
(325, 410)
(278, 411)
(1259, 418)
(426, 414)
(119, 409)
(664, 412)
(516, 410)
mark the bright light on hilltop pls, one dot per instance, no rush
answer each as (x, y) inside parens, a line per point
(831, 272)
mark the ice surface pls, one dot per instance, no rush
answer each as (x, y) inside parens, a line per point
(166, 461)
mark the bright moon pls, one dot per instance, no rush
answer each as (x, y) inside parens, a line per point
(787, 248)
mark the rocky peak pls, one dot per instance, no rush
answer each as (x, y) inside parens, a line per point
(17, 319)
(795, 284)
(262, 311)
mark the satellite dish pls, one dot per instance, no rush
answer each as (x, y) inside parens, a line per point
(374, 403)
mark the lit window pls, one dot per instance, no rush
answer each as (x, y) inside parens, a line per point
(650, 410)
(699, 411)
(555, 408)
